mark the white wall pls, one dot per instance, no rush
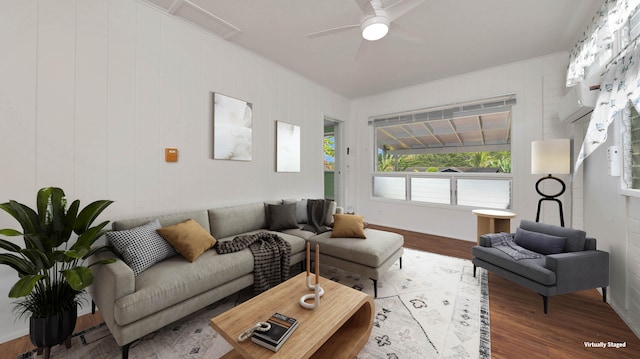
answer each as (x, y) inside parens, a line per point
(592, 202)
(537, 84)
(614, 219)
(92, 91)
(631, 307)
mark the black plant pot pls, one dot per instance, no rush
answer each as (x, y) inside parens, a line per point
(54, 330)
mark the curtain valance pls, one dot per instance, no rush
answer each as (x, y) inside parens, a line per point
(599, 37)
(621, 81)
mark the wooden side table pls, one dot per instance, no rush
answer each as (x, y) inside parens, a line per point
(493, 221)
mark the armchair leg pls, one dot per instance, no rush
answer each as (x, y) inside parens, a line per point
(545, 303)
(93, 307)
(400, 262)
(474, 271)
(604, 294)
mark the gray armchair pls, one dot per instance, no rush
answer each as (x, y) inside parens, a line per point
(548, 259)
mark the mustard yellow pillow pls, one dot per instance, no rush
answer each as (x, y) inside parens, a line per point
(348, 226)
(188, 238)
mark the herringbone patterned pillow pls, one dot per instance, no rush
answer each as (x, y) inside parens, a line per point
(141, 247)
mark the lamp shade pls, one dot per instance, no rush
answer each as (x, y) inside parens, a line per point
(551, 156)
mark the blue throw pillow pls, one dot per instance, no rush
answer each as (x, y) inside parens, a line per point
(539, 242)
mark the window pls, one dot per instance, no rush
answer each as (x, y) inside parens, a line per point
(451, 155)
(635, 149)
(632, 150)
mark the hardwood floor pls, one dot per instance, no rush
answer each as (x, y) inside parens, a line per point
(519, 327)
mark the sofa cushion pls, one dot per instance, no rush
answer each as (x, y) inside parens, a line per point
(378, 247)
(188, 238)
(533, 269)
(175, 280)
(141, 247)
(539, 242)
(575, 238)
(348, 226)
(282, 216)
(300, 233)
(233, 220)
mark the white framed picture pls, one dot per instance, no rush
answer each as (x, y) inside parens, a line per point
(232, 128)
(287, 147)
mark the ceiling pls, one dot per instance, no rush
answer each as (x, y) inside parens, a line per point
(456, 36)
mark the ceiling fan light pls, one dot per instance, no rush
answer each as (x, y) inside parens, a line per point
(375, 28)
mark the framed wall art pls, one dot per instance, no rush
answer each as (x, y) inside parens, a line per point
(232, 128)
(287, 147)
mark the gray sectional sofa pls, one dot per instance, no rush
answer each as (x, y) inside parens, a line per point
(135, 305)
(548, 259)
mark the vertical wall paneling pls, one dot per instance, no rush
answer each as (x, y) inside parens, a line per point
(18, 40)
(91, 100)
(55, 133)
(193, 149)
(169, 118)
(121, 108)
(552, 128)
(147, 76)
(606, 219)
(632, 302)
(92, 92)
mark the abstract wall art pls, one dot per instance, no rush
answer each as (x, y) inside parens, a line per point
(232, 128)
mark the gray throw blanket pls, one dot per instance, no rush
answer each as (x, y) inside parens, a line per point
(316, 213)
(504, 242)
(271, 257)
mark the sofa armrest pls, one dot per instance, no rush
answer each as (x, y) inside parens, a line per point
(110, 281)
(579, 270)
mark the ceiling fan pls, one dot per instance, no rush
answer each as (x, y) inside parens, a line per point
(376, 22)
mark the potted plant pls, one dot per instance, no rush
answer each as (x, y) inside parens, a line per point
(50, 266)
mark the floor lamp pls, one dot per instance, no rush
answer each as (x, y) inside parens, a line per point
(551, 157)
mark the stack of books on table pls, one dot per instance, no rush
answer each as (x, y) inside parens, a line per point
(281, 328)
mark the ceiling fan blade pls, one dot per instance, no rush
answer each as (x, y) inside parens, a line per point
(365, 6)
(401, 7)
(362, 49)
(334, 30)
(402, 33)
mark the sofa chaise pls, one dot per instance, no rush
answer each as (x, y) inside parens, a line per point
(548, 259)
(134, 304)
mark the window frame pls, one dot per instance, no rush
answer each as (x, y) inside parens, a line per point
(479, 107)
(625, 161)
(453, 194)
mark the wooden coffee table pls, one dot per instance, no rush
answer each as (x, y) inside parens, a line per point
(338, 328)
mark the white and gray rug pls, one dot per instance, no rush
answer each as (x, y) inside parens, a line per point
(431, 308)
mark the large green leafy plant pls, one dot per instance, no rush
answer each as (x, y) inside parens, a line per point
(51, 270)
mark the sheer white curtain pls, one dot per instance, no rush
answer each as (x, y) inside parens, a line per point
(599, 37)
(621, 82)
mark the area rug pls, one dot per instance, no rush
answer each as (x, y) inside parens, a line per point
(431, 308)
